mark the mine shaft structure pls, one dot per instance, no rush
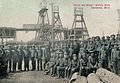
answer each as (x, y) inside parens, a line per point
(79, 30)
(57, 27)
(54, 34)
(43, 34)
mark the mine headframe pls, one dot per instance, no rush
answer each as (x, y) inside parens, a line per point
(57, 28)
(43, 34)
(79, 30)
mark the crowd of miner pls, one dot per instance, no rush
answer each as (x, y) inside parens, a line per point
(85, 57)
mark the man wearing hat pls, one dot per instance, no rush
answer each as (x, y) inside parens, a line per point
(3, 62)
(83, 49)
(114, 54)
(39, 58)
(14, 58)
(91, 45)
(97, 45)
(68, 67)
(26, 52)
(57, 58)
(74, 65)
(61, 66)
(8, 57)
(51, 63)
(33, 55)
(112, 40)
(108, 48)
(103, 40)
(92, 63)
(83, 65)
(118, 39)
(118, 61)
(20, 57)
(103, 57)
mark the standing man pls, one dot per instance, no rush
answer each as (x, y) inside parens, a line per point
(26, 58)
(103, 57)
(33, 55)
(118, 61)
(9, 56)
(108, 48)
(45, 56)
(20, 58)
(39, 58)
(3, 62)
(14, 58)
(114, 54)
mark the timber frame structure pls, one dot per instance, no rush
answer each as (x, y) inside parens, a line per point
(54, 34)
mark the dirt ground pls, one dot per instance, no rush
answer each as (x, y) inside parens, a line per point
(31, 77)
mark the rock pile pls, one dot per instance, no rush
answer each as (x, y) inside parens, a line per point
(101, 76)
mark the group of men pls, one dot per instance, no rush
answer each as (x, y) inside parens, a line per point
(19, 58)
(84, 57)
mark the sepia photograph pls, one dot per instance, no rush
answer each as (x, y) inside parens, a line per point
(59, 41)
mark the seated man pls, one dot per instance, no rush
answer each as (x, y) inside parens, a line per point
(61, 67)
(50, 64)
(93, 63)
(56, 64)
(75, 65)
(84, 65)
(68, 69)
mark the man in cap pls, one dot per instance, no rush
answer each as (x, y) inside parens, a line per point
(103, 40)
(97, 45)
(9, 56)
(108, 48)
(20, 57)
(118, 61)
(93, 63)
(114, 54)
(68, 69)
(103, 57)
(71, 49)
(112, 40)
(51, 63)
(61, 66)
(57, 62)
(83, 49)
(74, 65)
(91, 45)
(14, 58)
(26, 58)
(39, 58)
(83, 65)
(3, 62)
(33, 55)
(118, 39)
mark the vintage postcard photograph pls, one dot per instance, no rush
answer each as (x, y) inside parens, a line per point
(59, 41)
